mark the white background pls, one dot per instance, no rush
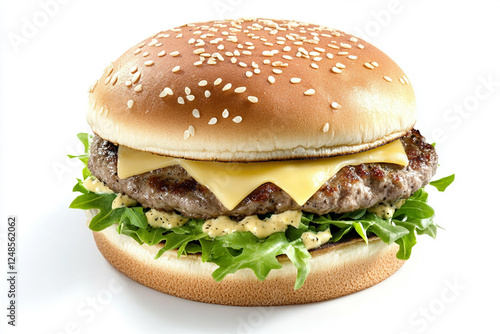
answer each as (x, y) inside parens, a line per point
(449, 50)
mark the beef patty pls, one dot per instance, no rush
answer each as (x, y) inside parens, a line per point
(353, 187)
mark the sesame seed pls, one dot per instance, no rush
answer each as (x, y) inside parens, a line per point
(136, 52)
(374, 63)
(345, 45)
(207, 94)
(212, 121)
(240, 89)
(203, 83)
(329, 55)
(237, 119)
(406, 80)
(196, 113)
(138, 88)
(199, 51)
(253, 99)
(186, 134)
(352, 57)
(266, 61)
(287, 57)
(130, 104)
(309, 92)
(187, 90)
(295, 80)
(176, 68)
(326, 127)
(178, 36)
(191, 130)
(353, 39)
(197, 63)
(136, 77)
(166, 91)
(217, 81)
(249, 74)
(287, 48)
(227, 86)
(180, 100)
(402, 81)
(277, 71)
(190, 97)
(388, 79)
(336, 70)
(115, 79)
(149, 63)
(335, 105)
(174, 53)
(128, 83)
(145, 54)
(161, 53)
(256, 71)
(314, 65)
(368, 65)
(108, 79)
(340, 65)
(133, 69)
(191, 41)
(361, 46)
(271, 79)
(225, 113)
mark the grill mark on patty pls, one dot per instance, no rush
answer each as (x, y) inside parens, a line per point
(353, 187)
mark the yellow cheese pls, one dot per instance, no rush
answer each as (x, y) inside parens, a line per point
(232, 182)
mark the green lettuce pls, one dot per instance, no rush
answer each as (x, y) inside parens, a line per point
(239, 250)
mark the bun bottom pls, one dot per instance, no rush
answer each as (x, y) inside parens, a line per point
(336, 271)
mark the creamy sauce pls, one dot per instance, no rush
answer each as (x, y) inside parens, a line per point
(386, 210)
(260, 228)
(312, 240)
(122, 201)
(96, 186)
(166, 220)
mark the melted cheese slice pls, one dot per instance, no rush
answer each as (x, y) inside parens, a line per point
(232, 182)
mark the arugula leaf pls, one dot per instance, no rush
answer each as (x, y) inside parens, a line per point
(443, 183)
(415, 208)
(102, 202)
(257, 255)
(407, 242)
(298, 254)
(136, 216)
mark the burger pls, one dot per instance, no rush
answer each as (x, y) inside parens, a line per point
(255, 162)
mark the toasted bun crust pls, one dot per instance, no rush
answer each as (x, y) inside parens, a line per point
(252, 90)
(335, 271)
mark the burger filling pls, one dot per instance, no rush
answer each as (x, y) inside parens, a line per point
(169, 208)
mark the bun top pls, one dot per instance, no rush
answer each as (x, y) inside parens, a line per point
(252, 90)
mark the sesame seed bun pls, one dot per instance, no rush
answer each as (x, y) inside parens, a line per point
(252, 90)
(336, 271)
